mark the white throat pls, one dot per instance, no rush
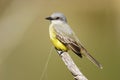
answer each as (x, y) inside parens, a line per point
(57, 22)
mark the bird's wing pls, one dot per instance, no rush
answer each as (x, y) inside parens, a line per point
(65, 35)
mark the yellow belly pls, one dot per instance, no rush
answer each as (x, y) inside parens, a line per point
(58, 44)
(55, 41)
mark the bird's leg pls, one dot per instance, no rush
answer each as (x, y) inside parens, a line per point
(59, 51)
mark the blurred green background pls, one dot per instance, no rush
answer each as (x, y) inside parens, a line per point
(25, 44)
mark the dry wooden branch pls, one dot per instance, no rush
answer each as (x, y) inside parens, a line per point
(72, 66)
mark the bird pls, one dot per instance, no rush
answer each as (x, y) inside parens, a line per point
(64, 39)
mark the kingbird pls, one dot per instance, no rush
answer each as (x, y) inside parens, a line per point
(64, 38)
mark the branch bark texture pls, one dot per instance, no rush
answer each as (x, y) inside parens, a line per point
(77, 74)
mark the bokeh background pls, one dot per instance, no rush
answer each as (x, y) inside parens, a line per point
(25, 44)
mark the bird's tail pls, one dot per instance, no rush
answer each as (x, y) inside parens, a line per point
(93, 60)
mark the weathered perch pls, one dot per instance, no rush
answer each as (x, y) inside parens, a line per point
(72, 66)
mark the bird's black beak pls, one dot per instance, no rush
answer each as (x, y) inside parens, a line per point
(49, 18)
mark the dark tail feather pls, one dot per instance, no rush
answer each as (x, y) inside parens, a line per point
(94, 61)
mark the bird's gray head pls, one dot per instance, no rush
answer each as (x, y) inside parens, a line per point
(57, 16)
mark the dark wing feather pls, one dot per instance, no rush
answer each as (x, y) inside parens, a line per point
(71, 44)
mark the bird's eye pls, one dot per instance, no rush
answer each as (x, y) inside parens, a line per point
(57, 17)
